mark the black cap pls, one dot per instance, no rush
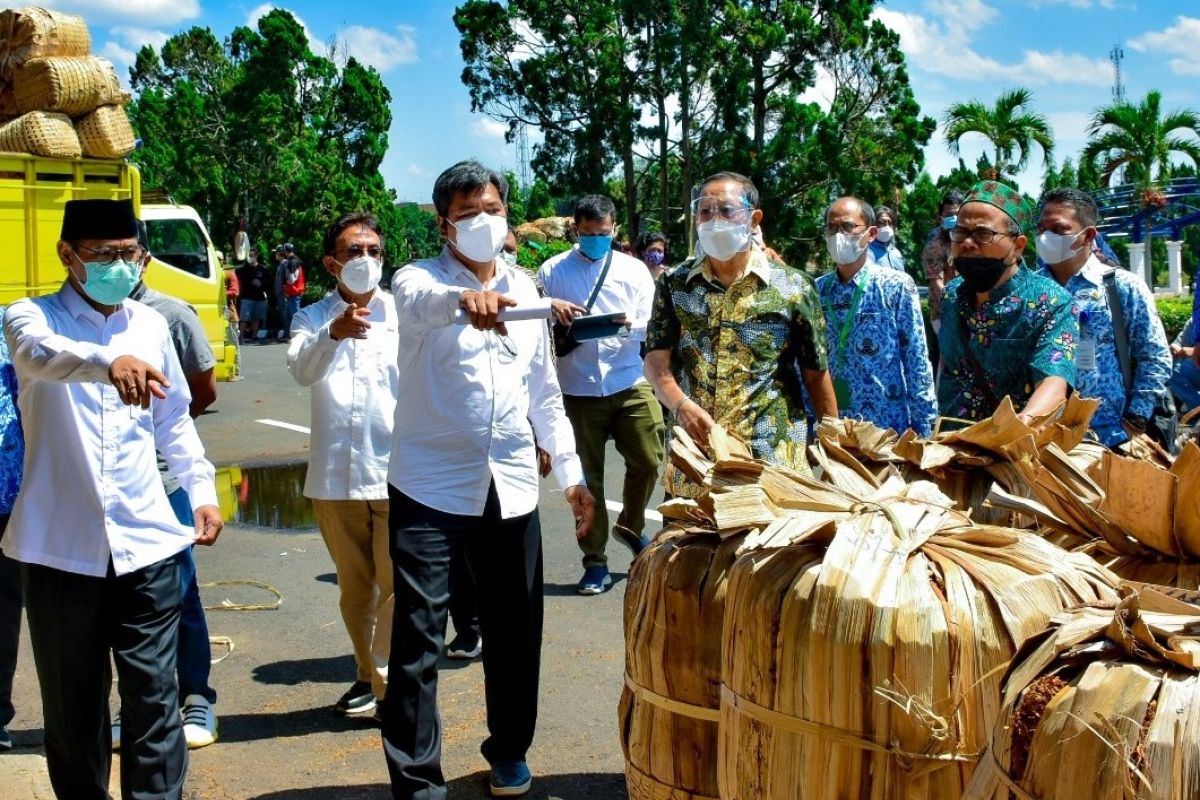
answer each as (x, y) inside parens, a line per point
(98, 219)
(288, 247)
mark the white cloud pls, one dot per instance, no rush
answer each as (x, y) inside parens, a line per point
(260, 11)
(1076, 3)
(944, 48)
(488, 128)
(416, 169)
(379, 49)
(1180, 40)
(137, 38)
(163, 12)
(120, 56)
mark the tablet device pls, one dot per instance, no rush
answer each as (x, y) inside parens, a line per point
(597, 326)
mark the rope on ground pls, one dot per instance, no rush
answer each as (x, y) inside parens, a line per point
(227, 605)
(221, 641)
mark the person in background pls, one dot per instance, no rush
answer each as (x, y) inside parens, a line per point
(253, 284)
(1006, 332)
(464, 472)
(736, 339)
(100, 389)
(1185, 378)
(1066, 231)
(194, 657)
(232, 292)
(289, 288)
(604, 391)
(652, 250)
(873, 329)
(935, 258)
(12, 454)
(344, 347)
(884, 248)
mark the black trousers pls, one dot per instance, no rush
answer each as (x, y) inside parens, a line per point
(10, 627)
(75, 621)
(505, 557)
(464, 599)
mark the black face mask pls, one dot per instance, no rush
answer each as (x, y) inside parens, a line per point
(980, 273)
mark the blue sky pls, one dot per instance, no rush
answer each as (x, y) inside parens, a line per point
(957, 50)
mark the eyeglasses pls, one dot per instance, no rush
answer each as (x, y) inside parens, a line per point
(508, 348)
(357, 251)
(130, 254)
(844, 227)
(978, 235)
(710, 210)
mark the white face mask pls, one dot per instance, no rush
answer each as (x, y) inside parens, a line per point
(1055, 248)
(885, 234)
(481, 238)
(723, 240)
(361, 275)
(845, 248)
(509, 258)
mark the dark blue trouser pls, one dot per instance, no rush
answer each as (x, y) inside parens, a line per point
(10, 627)
(505, 556)
(194, 659)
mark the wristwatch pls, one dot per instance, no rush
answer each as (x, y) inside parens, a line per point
(1137, 422)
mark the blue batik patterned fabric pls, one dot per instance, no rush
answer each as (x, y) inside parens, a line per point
(886, 359)
(1026, 332)
(12, 439)
(1101, 377)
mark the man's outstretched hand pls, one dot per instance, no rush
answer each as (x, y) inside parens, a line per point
(136, 381)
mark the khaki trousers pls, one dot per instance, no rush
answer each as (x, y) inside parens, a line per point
(356, 534)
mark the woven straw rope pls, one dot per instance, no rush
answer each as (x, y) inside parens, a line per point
(690, 710)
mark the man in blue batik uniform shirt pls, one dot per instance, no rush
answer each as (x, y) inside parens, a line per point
(1066, 230)
(878, 356)
(12, 453)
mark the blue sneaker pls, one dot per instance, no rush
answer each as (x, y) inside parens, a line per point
(627, 537)
(510, 779)
(594, 581)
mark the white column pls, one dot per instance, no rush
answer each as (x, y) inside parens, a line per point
(1175, 264)
(1137, 262)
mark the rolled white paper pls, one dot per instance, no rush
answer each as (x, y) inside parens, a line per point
(538, 309)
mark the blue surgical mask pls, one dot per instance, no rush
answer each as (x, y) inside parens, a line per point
(595, 247)
(109, 282)
(949, 222)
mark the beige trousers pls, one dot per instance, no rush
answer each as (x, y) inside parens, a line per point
(356, 534)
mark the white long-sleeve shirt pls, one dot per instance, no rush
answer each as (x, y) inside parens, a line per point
(354, 384)
(470, 401)
(91, 489)
(602, 367)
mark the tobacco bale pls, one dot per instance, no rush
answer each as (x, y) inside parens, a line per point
(674, 607)
(73, 86)
(33, 32)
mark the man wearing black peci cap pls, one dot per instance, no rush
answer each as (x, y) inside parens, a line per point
(101, 386)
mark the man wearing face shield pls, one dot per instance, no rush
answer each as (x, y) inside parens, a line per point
(1066, 231)
(874, 329)
(747, 334)
(1005, 331)
(464, 473)
(100, 389)
(344, 348)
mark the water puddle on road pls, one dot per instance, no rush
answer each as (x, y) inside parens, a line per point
(272, 497)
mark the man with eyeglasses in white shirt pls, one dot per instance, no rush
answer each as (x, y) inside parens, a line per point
(344, 348)
(464, 472)
(100, 389)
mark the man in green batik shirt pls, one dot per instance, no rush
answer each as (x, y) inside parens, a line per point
(1005, 331)
(746, 334)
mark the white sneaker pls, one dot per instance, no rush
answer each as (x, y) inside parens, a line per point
(199, 721)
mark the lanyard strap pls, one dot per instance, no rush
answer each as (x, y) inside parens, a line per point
(848, 323)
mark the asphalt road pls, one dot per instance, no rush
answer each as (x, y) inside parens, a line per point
(280, 739)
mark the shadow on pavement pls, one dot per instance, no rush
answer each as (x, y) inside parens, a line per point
(327, 577)
(370, 791)
(27, 738)
(571, 589)
(579, 786)
(330, 669)
(256, 727)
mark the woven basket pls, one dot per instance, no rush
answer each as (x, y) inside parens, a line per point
(34, 32)
(105, 133)
(42, 134)
(74, 86)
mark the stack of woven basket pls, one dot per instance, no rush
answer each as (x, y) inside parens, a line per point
(55, 99)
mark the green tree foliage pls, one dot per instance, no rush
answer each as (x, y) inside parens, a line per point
(1140, 140)
(260, 126)
(723, 86)
(1010, 127)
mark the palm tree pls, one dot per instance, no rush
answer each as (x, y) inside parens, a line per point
(1137, 138)
(1010, 127)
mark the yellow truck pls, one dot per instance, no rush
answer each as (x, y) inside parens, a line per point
(33, 190)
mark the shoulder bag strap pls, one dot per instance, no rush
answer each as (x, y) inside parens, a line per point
(599, 282)
(1119, 332)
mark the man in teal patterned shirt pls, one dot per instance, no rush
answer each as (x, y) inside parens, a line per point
(1005, 331)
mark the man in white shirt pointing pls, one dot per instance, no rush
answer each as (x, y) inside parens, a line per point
(464, 473)
(101, 388)
(604, 391)
(344, 347)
